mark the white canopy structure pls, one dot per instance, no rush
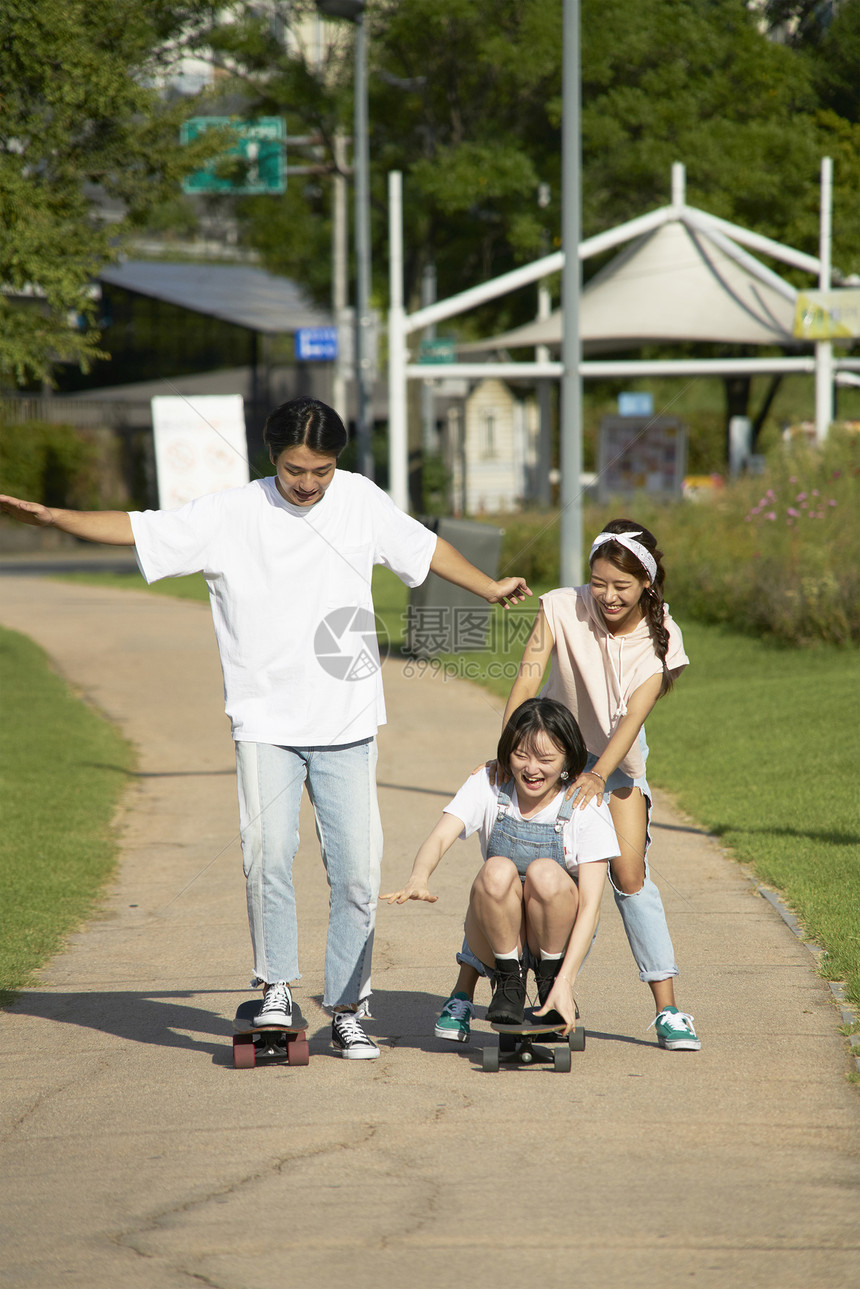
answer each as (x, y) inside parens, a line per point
(688, 276)
(674, 284)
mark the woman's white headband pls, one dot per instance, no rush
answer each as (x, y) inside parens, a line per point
(642, 553)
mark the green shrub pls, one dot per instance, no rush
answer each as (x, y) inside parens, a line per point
(56, 465)
(530, 545)
(775, 556)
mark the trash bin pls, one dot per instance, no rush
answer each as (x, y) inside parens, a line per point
(443, 618)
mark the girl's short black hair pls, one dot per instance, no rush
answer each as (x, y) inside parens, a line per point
(305, 422)
(544, 716)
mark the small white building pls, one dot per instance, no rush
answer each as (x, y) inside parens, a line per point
(490, 447)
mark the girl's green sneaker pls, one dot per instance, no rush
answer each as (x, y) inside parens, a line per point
(454, 1021)
(675, 1030)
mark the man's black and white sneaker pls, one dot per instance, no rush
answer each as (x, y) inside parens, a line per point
(349, 1039)
(277, 1008)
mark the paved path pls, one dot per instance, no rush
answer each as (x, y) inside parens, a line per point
(133, 1155)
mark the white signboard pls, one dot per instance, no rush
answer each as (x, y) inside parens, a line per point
(200, 446)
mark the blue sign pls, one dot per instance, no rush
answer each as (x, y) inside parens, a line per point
(316, 344)
(636, 404)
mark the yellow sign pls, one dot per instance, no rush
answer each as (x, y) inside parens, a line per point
(827, 315)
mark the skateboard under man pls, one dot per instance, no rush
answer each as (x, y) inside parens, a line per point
(254, 1044)
(518, 1045)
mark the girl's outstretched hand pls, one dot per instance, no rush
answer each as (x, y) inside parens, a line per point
(560, 999)
(585, 789)
(411, 891)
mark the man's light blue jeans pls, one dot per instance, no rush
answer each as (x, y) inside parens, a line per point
(341, 783)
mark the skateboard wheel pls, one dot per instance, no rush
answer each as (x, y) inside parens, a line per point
(576, 1039)
(561, 1060)
(244, 1052)
(298, 1052)
(490, 1059)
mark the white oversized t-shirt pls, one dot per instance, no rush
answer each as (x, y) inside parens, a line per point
(588, 835)
(290, 590)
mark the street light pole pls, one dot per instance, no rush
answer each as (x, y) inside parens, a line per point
(364, 374)
(571, 350)
(364, 322)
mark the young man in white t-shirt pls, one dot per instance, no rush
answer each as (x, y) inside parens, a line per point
(288, 562)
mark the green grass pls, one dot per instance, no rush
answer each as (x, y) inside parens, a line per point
(63, 769)
(180, 588)
(759, 743)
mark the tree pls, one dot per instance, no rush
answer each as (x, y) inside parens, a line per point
(460, 95)
(83, 125)
(465, 99)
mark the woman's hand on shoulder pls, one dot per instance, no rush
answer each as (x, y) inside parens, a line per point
(494, 772)
(587, 787)
(411, 891)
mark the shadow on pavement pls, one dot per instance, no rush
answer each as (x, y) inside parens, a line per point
(143, 1017)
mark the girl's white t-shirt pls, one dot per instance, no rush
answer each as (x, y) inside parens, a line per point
(290, 590)
(588, 835)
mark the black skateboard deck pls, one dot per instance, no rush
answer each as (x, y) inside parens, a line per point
(254, 1044)
(525, 1045)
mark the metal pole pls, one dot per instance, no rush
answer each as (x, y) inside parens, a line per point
(571, 349)
(824, 348)
(544, 454)
(398, 453)
(339, 270)
(363, 347)
(429, 438)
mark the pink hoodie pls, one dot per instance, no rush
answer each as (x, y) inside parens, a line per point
(595, 673)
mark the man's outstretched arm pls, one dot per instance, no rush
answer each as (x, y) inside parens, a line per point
(447, 562)
(112, 527)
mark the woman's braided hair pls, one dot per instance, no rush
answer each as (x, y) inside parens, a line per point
(652, 596)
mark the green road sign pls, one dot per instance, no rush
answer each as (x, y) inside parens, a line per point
(442, 349)
(260, 146)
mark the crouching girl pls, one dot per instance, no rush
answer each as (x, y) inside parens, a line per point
(535, 903)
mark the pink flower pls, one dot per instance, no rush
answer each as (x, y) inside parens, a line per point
(791, 511)
(801, 496)
(831, 502)
(815, 492)
(771, 514)
(792, 478)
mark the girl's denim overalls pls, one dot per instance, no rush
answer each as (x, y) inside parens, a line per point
(522, 840)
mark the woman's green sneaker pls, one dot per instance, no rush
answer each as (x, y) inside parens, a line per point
(675, 1030)
(454, 1021)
